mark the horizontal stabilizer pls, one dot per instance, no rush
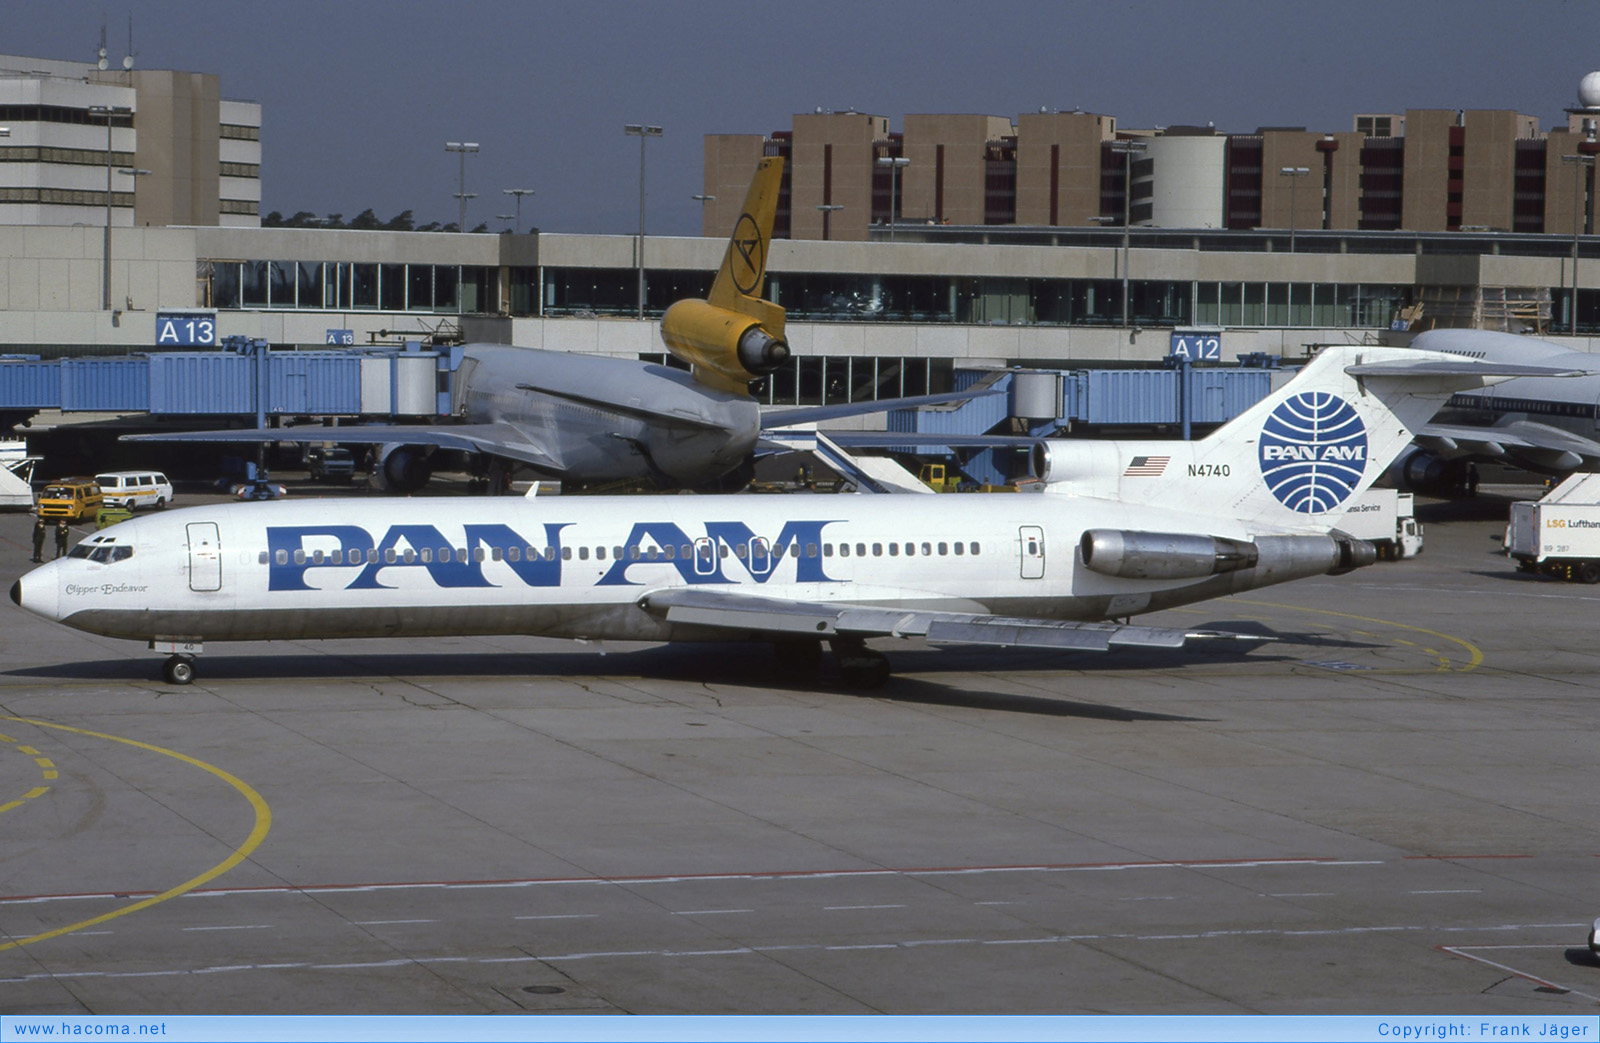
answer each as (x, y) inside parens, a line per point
(1445, 368)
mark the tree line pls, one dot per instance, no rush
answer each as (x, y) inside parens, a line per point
(404, 221)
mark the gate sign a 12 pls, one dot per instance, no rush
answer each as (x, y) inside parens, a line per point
(186, 329)
(1196, 345)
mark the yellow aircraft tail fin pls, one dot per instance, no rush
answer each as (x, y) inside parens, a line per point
(735, 335)
(742, 279)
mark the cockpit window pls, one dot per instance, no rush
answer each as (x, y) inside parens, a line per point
(104, 553)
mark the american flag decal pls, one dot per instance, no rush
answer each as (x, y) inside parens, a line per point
(1146, 467)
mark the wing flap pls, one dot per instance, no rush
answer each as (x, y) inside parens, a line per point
(743, 612)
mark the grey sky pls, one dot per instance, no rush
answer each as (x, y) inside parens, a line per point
(360, 96)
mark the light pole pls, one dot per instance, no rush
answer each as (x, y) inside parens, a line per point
(462, 147)
(894, 163)
(1294, 174)
(643, 132)
(1583, 163)
(508, 218)
(703, 200)
(1127, 148)
(105, 259)
(827, 212)
(519, 193)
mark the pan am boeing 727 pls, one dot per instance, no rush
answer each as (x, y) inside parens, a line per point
(1121, 529)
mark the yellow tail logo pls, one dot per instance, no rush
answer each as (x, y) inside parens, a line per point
(744, 266)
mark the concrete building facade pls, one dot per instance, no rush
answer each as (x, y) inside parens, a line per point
(1426, 170)
(161, 147)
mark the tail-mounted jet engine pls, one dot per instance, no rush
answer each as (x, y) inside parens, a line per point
(737, 348)
(1163, 555)
(1168, 555)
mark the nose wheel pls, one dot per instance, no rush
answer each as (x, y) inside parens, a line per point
(178, 669)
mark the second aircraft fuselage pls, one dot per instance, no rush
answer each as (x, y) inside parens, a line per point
(661, 424)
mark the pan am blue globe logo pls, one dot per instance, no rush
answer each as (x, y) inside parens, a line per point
(1313, 452)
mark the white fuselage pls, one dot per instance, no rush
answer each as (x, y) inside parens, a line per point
(579, 567)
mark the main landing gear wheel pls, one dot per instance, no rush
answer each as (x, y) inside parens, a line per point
(798, 659)
(859, 666)
(178, 669)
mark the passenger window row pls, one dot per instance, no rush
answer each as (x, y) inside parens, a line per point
(742, 551)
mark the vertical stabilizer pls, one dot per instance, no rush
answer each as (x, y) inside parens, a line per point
(735, 336)
(1297, 458)
(742, 278)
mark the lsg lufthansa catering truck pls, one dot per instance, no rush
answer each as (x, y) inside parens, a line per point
(1559, 535)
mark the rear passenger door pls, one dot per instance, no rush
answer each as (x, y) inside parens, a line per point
(1031, 540)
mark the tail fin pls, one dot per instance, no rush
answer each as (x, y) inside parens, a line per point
(1296, 458)
(743, 275)
(734, 335)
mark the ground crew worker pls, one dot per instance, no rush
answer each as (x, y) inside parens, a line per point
(61, 537)
(38, 538)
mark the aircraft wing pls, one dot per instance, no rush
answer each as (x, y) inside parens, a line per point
(1524, 435)
(852, 439)
(504, 440)
(743, 613)
(812, 414)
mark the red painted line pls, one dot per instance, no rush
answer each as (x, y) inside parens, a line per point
(795, 874)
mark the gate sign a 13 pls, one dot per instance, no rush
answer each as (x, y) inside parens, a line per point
(1196, 345)
(186, 329)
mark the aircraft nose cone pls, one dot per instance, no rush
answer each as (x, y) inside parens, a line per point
(16, 593)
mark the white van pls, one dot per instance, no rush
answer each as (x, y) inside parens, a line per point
(132, 489)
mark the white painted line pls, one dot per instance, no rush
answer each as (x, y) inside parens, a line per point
(710, 912)
(802, 876)
(1461, 951)
(903, 944)
(1151, 898)
(1462, 891)
(380, 923)
(844, 908)
(561, 916)
(235, 927)
(1303, 894)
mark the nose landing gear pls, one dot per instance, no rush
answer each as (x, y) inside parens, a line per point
(178, 669)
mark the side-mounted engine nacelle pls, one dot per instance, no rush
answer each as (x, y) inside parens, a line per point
(1163, 555)
(733, 345)
(1057, 460)
(402, 468)
(1168, 555)
(1421, 471)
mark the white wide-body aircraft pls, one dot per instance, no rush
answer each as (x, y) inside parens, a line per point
(1539, 423)
(1121, 529)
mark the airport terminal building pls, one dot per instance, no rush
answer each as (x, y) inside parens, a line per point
(993, 258)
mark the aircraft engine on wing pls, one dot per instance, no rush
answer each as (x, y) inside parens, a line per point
(1421, 471)
(734, 346)
(402, 468)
